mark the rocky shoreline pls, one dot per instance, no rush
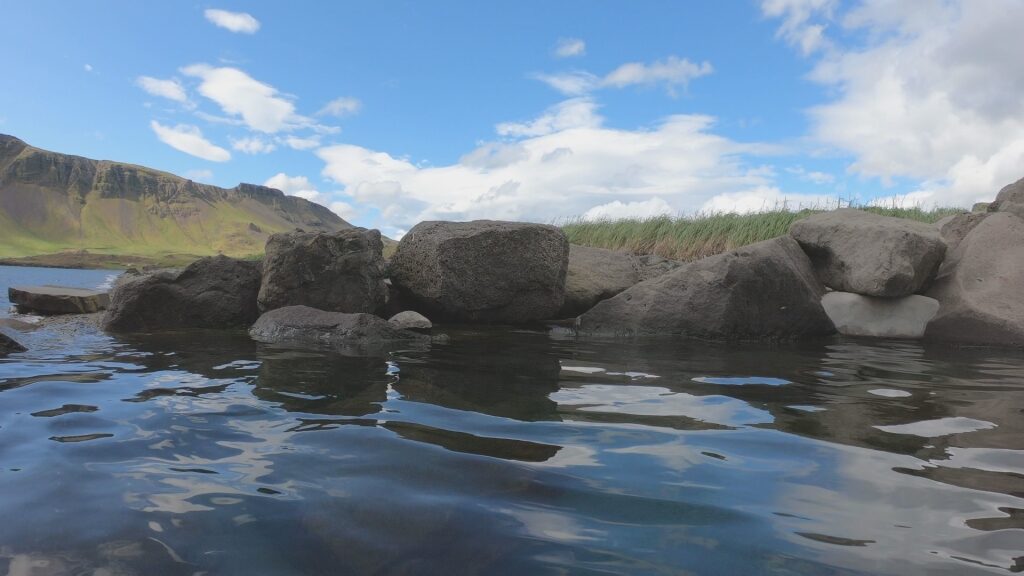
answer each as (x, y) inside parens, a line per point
(847, 272)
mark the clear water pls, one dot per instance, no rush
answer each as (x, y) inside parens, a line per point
(506, 452)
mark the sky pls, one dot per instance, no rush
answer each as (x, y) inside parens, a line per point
(395, 112)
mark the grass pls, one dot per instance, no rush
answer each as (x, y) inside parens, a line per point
(692, 237)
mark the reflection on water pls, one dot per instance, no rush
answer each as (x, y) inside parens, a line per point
(508, 453)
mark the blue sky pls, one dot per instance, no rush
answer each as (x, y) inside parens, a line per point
(396, 112)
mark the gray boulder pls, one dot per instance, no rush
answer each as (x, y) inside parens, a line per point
(305, 326)
(57, 299)
(410, 320)
(954, 228)
(340, 271)
(1010, 199)
(216, 292)
(858, 315)
(979, 286)
(483, 271)
(596, 274)
(856, 251)
(9, 345)
(762, 291)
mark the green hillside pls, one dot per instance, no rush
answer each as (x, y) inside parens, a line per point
(55, 203)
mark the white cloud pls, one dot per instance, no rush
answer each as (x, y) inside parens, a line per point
(640, 209)
(190, 140)
(294, 186)
(799, 25)
(302, 143)
(87, 67)
(259, 105)
(200, 175)
(562, 164)
(170, 89)
(762, 198)
(570, 47)
(241, 22)
(672, 72)
(815, 177)
(345, 210)
(930, 93)
(253, 145)
(574, 113)
(341, 107)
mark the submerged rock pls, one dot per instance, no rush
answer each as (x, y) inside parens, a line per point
(8, 345)
(979, 286)
(864, 253)
(483, 271)
(57, 299)
(410, 320)
(341, 271)
(216, 292)
(762, 291)
(858, 315)
(303, 325)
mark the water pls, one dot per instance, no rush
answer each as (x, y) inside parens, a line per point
(506, 452)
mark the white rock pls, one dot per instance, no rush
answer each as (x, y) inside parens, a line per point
(857, 315)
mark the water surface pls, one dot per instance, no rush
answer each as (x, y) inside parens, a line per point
(505, 452)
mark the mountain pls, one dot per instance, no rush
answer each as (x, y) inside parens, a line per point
(51, 202)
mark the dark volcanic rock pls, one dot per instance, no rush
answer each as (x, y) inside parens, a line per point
(864, 253)
(596, 274)
(8, 345)
(410, 320)
(483, 271)
(57, 299)
(302, 325)
(339, 272)
(763, 291)
(979, 286)
(216, 292)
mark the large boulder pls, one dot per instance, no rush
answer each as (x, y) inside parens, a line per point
(215, 292)
(340, 271)
(979, 286)
(1010, 199)
(856, 251)
(483, 271)
(410, 320)
(305, 326)
(57, 299)
(596, 274)
(762, 291)
(9, 345)
(954, 229)
(858, 315)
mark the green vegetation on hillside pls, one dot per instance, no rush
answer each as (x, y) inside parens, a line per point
(692, 237)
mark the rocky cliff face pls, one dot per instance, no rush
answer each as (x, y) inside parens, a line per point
(51, 202)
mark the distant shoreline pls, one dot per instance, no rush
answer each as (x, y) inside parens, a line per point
(89, 261)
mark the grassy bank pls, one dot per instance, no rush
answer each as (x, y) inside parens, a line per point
(692, 237)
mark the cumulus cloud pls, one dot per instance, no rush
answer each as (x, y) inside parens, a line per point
(294, 186)
(345, 210)
(190, 140)
(253, 145)
(570, 47)
(240, 22)
(344, 106)
(170, 89)
(762, 198)
(298, 143)
(929, 92)
(563, 163)
(803, 21)
(616, 210)
(671, 73)
(259, 105)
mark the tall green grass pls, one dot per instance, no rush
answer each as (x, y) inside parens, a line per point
(692, 237)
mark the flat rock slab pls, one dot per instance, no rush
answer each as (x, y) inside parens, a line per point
(349, 333)
(8, 345)
(57, 299)
(857, 315)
